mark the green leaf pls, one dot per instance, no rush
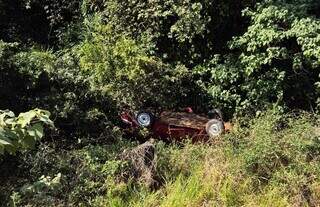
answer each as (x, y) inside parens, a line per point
(5, 141)
(36, 131)
(25, 118)
(22, 131)
(29, 142)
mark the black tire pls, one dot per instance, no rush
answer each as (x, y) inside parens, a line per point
(215, 114)
(214, 128)
(144, 119)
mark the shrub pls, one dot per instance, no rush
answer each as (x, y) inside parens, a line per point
(121, 68)
(279, 154)
(22, 132)
(273, 161)
(65, 177)
(34, 78)
(274, 61)
(179, 31)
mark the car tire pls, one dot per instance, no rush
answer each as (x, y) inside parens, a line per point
(214, 128)
(215, 114)
(144, 119)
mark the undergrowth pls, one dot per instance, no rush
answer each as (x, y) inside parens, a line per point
(272, 160)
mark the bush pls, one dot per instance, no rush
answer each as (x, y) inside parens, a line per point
(35, 78)
(277, 154)
(179, 31)
(22, 132)
(59, 177)
(273, 161)
(122, 69)
(20, 18)
(274, 61)
(161, 54)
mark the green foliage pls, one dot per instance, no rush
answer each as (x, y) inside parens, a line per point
(269, 163)
(279, 152)
(34, 62)
(6, 50)
(22, 132)
(34, 78)
(280, 142)
(285, 40)
(93, 57)
(130, 46)
(75, 177)
(122, 69)
(20, 18)
(184, 31)
(272, 161)
(275, 61)
(44, 182)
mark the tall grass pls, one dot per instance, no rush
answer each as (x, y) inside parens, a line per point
(272, 160)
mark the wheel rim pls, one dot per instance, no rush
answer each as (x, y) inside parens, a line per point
(144, 119)
(215, 129)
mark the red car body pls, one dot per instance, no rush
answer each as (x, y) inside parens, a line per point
(174, 126)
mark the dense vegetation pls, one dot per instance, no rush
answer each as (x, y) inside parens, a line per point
(84, 61)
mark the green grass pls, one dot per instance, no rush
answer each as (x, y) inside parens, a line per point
(272, 160)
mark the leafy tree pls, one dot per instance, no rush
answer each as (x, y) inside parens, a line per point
(275, 61)
(184, 31)
(35, 78)
(39, 21)
(122, 68)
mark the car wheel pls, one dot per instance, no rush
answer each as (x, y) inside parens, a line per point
(144, 119)
(214, 128)
(215, 114)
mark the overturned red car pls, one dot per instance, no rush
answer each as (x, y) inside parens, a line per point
(175, 126)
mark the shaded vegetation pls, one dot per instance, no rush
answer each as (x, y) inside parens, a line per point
(84, 61)
(264, 163)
